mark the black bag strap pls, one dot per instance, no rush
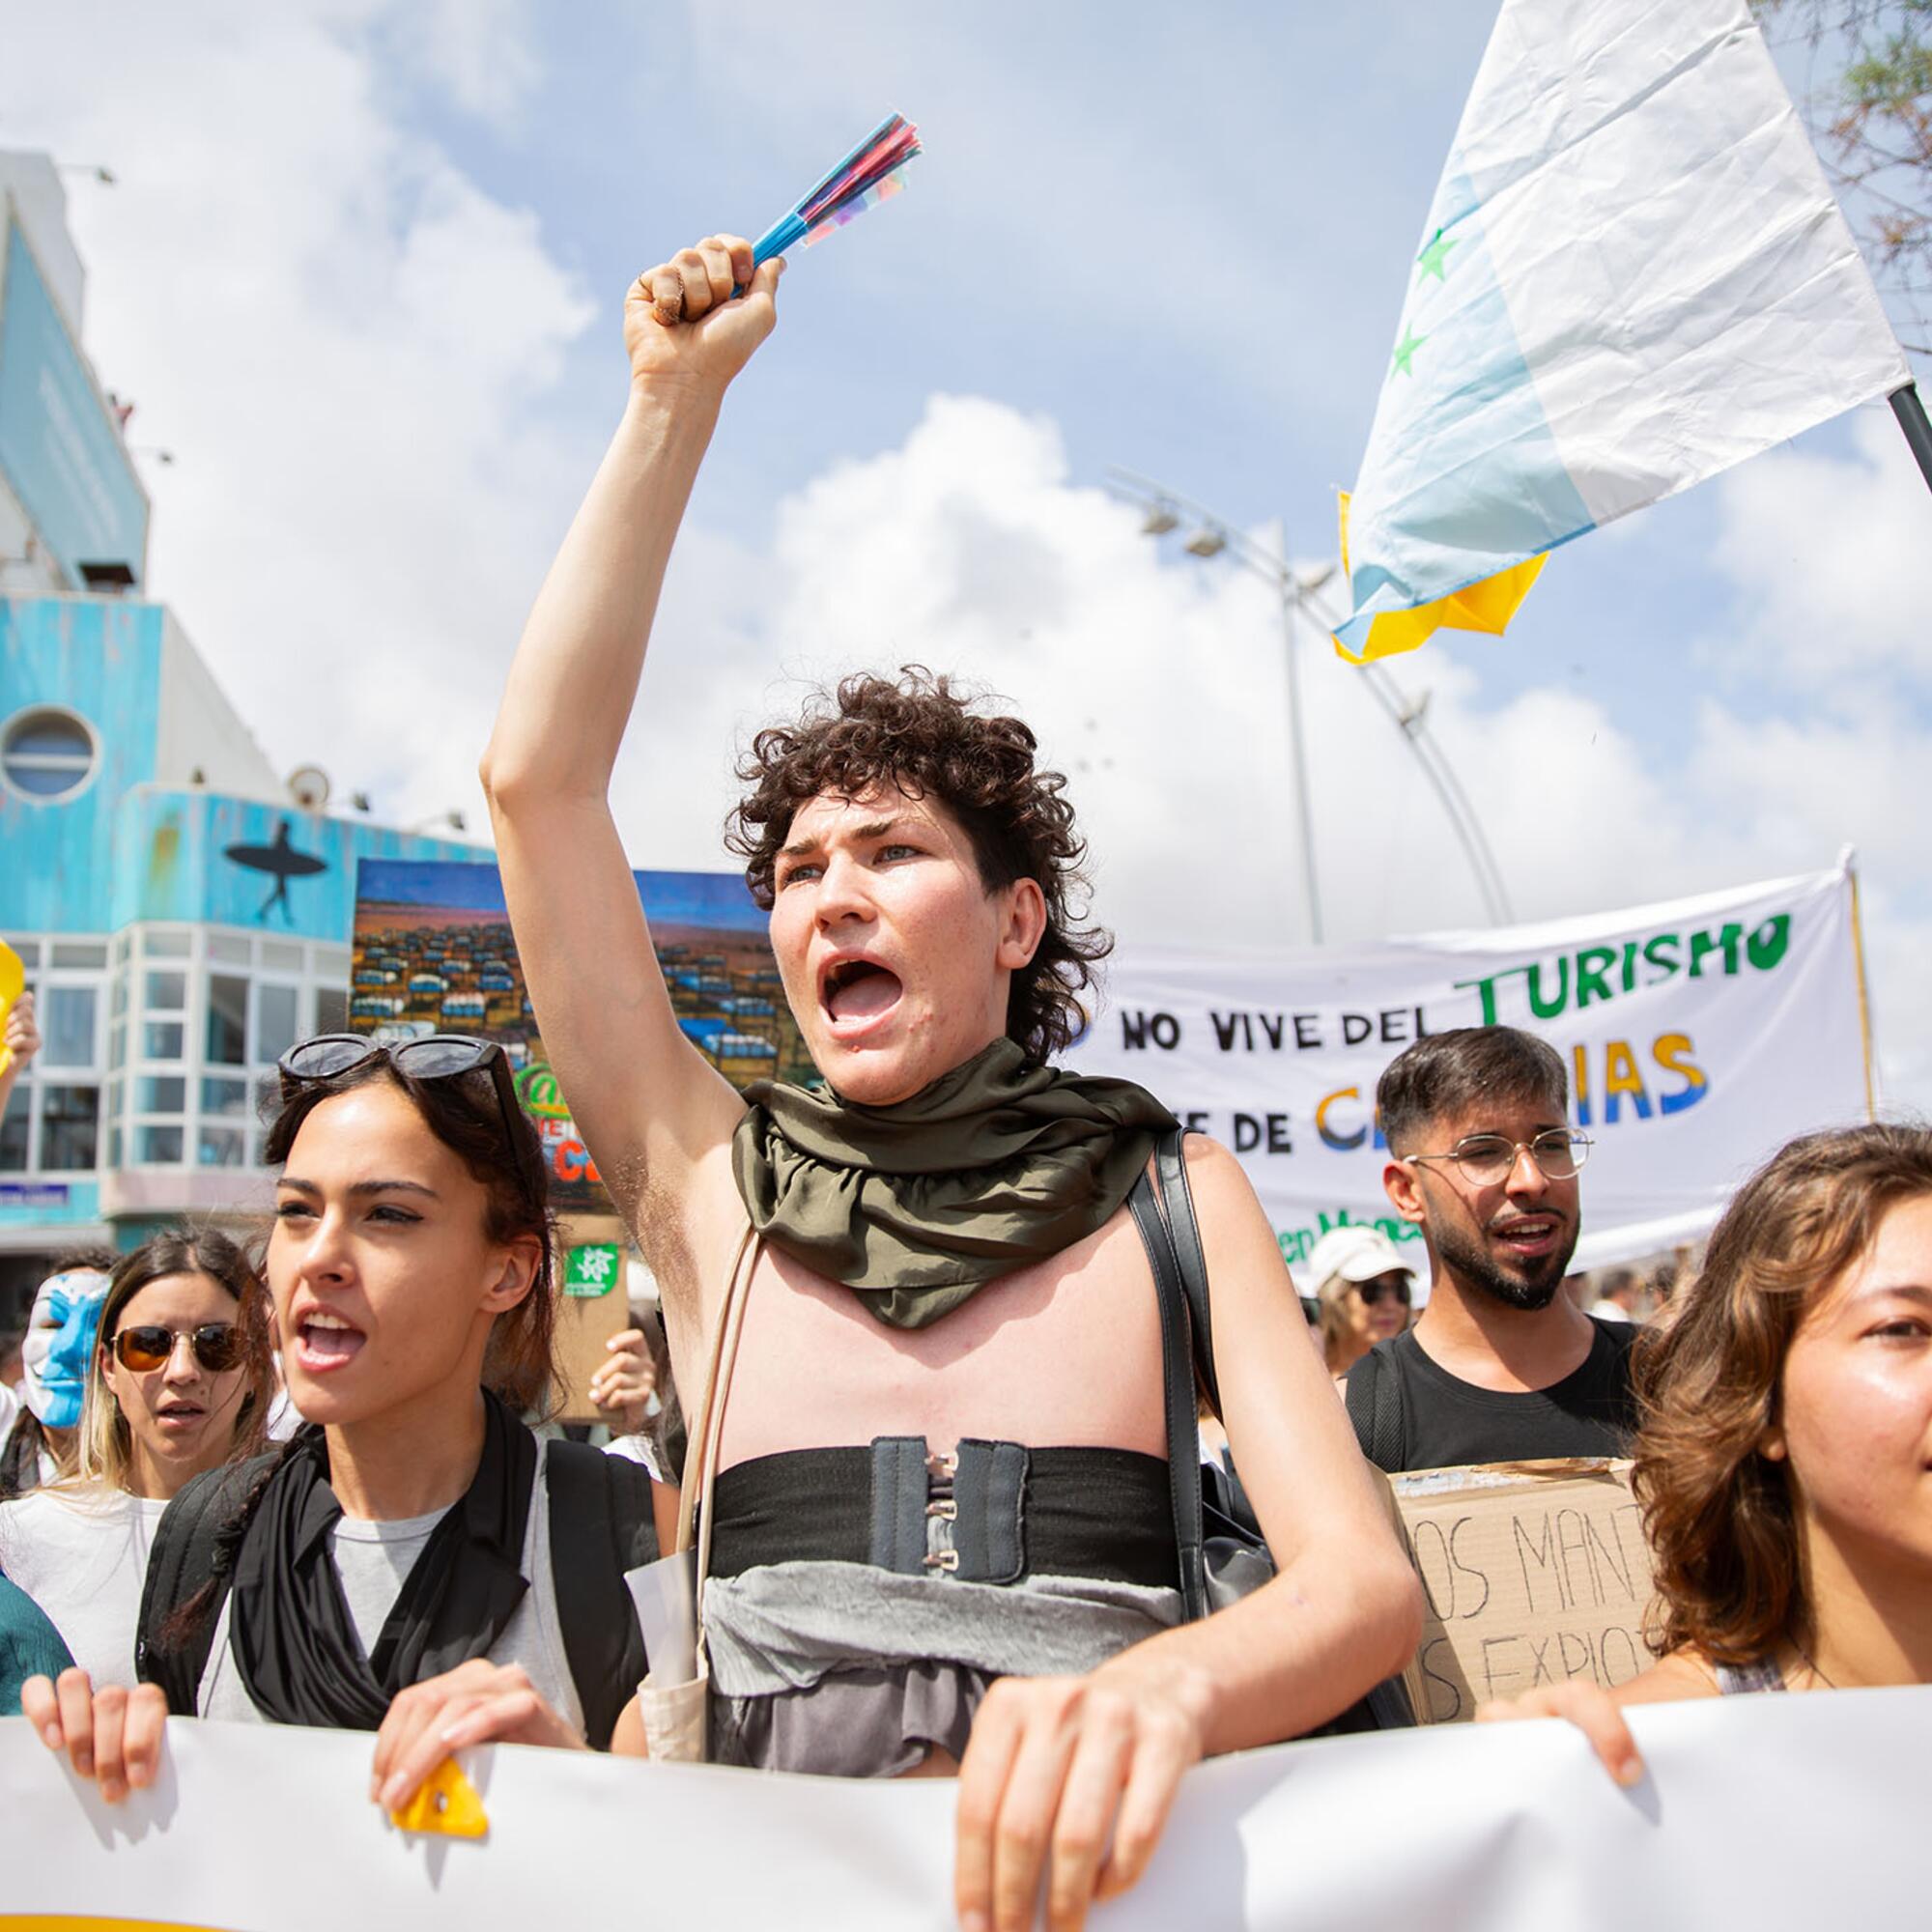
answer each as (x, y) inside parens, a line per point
(601, 1524)
(1177, 1200)
(1373, 1397)
(1183, 1434)
(189, 1563)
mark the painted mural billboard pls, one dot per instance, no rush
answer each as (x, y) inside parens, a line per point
(59, 446)
(434, 954)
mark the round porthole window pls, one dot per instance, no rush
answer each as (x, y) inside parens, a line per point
(48, 753)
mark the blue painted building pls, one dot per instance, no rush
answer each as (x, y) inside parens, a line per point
(183, 913)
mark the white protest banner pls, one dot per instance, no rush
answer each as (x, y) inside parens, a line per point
(1515, 1828)
(1699, 1036)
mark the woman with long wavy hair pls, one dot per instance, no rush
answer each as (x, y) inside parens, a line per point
(180, 1382)
(407, 1532)
(1785, 1458)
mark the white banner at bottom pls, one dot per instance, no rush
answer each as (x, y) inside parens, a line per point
(1762, 1811)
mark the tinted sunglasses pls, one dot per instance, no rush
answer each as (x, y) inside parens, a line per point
(217, 1345)
(1375, 1289)
(440, 1056)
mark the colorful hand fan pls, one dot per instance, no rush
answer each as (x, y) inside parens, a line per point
(874, 172)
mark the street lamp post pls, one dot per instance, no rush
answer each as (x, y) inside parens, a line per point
(1213, 537)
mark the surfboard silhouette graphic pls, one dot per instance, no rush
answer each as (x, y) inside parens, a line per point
(281, 862)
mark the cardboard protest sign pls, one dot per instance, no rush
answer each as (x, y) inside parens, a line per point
(592, 1305)
(1532, 1573)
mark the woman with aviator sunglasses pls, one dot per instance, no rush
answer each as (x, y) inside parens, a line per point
(182, 1383)
(414, 1529)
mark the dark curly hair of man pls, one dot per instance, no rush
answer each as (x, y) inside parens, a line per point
(918, 732)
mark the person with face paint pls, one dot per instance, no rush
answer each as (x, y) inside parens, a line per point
(1784, 1462)
(178, 1384)
(56, 1360)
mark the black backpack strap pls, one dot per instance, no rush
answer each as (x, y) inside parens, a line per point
(1177, 1200)
(188, 1569)
(601, 1524)
(1375, 1406)
(1183, 1434)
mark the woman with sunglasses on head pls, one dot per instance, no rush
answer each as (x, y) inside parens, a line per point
(1362, 1289)
(415, 1525)
(180, 1384)
(1784, 1459)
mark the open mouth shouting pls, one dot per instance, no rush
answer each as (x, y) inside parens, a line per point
(856, 993)
(325, 1342)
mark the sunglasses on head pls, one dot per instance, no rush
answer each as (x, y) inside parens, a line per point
(440, 1056)
(217, 1345)
(1374, 1290)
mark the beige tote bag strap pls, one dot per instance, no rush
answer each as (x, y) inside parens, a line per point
(711, 1429)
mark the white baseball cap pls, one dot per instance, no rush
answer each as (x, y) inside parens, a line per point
(1355, 1253)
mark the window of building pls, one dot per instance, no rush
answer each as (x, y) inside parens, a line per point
(160, 1094)
(281, 957)
(162, 1040)
(70, 1127)
(14, 1130)
(167, 993)
(29, 950)
(224, 1097)
(117, 1046)
(277, 1025)
(229, 950)
(90, 954)
(48, 753)
(157, 1146)
(66, 1025)
(227, 1019)
(168, 945)
(331, 1010)
(221, 1147)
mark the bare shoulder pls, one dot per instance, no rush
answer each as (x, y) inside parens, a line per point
(1224, 1196)
(1683, 1675)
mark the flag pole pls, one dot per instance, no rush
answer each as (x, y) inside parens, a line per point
(1911, 414)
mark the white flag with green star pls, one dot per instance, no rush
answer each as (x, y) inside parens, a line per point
(1633, 276)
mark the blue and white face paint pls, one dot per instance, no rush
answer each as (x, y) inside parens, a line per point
(57, 1354)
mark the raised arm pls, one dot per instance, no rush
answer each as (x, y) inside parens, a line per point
(647, 1103)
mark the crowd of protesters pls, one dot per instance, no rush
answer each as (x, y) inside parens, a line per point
(940, 1528)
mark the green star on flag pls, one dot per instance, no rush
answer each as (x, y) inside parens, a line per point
(1405, 350)
(1432, 257)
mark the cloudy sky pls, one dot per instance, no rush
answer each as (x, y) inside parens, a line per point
(363, 272)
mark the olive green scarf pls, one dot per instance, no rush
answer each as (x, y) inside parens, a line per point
(996, 1165)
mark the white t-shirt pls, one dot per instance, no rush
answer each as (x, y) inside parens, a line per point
(1610, 1310)
(82, 1556)
(374, 1559)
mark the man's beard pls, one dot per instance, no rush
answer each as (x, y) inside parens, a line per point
(1472, 1263)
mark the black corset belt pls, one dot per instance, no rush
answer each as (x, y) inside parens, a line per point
(994, 1513)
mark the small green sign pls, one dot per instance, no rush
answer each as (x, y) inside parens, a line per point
(594, 1270)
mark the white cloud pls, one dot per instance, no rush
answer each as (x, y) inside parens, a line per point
(344, 341)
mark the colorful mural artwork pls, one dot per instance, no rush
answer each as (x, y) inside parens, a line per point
(434, 954)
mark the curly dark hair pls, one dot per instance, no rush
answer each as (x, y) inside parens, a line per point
(920, 733)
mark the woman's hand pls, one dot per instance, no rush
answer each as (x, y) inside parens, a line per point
(1062, 1774)
(1587, 1706)
(22, 1036)
(624, 1383)
(477, 1703)
(684, 327)
(112, 1735)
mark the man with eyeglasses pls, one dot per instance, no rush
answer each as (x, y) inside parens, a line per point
(1502, 1366)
